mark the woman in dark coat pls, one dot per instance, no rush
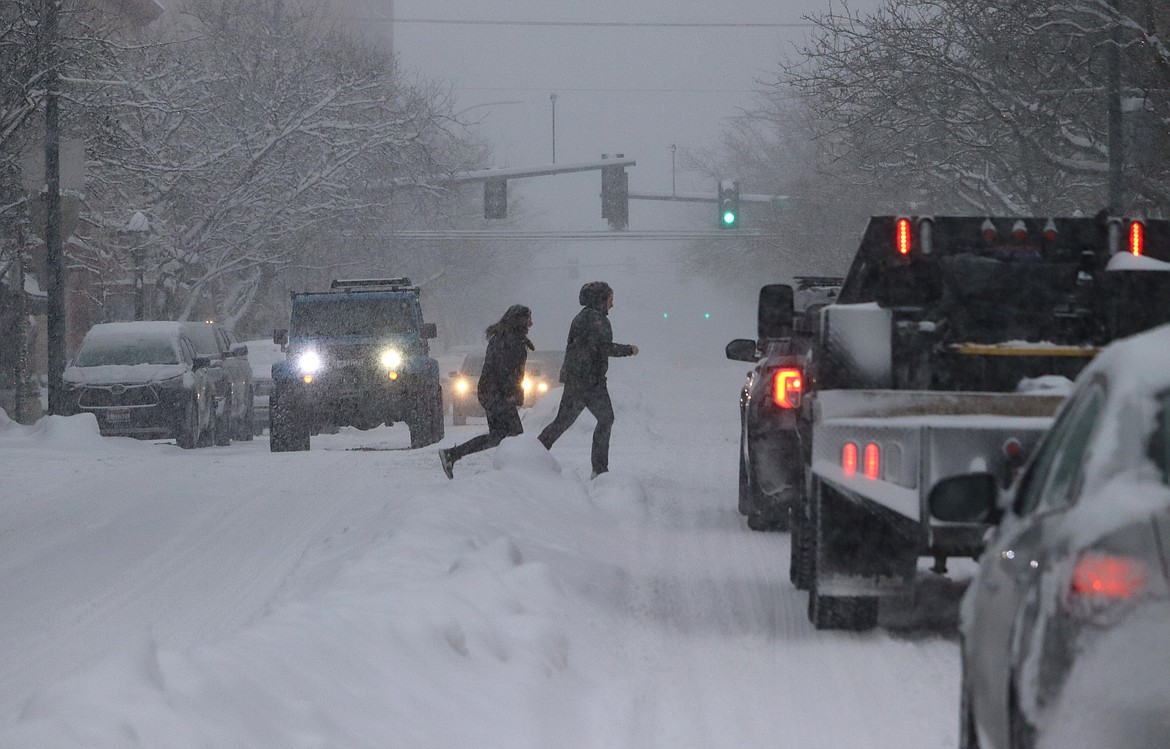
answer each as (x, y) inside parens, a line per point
(501, 389)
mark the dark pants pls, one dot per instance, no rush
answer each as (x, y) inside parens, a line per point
(503, 421)
(573, 401)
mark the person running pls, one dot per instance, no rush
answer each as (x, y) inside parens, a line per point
(583, 374)
(501, 385)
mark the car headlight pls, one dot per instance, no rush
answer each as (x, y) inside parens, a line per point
(391, 359)
(309, 362)
(542, 387)
(463, 387)
(526, 384)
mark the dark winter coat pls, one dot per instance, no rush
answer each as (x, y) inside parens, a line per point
(502, 377)
(590, 341)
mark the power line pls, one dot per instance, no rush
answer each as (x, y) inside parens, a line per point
(597, 24)
(543, 89)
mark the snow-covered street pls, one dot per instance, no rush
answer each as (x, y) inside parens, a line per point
(352, 596)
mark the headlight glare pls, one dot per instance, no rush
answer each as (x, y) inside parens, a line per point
(309, 362)
(462, 387)
(391, 359)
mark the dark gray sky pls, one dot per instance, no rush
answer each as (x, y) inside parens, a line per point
(619, 90)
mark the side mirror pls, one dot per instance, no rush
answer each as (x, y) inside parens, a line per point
(239, 349)
(776, 311)
(967, 498)
(428, 330)
(280, 336)
(200, 362)
(742, 349)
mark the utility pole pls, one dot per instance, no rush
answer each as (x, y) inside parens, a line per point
(672, 149)
(1114, 131)
(54, 252)
(553, 99)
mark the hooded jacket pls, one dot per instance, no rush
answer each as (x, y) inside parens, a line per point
(501, 379)
(590, 341)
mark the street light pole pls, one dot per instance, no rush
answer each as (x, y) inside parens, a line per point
(672, 149)
(553, 99)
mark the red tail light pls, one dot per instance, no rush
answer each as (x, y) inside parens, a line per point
(1105, 576)
(1050, 231)
(849, 459)
(1020, 230)
(787, 386)
(988, 230)
(873, 461)
(1137, 237)
(902, 236)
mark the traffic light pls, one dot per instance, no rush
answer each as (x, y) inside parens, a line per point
(728, 204)
(615, 196)
(495, 198)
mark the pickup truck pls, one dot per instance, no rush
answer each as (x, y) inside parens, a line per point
(935, 359)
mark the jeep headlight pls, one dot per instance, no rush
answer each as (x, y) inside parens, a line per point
(462, 386)
(309, 362)
(391, 359)
(526, 383)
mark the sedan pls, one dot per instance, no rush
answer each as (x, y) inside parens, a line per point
(1057, 640)
(144, 379)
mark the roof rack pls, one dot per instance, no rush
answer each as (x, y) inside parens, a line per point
(368, 283)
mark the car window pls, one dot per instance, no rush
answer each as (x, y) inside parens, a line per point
(1159, 447)
(1058, 464)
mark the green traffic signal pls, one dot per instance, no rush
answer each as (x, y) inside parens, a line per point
(729, 217)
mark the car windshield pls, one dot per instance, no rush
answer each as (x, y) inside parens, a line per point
(106, 352)
(473, 365)
(339, 317)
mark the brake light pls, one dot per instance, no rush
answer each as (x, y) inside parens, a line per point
(988, 230)
(1050, 230)
(849, 459)
(902, 236)
(787, 386)
(1020, 230)
(873, 461)
(1108, 577)
(1137, 237)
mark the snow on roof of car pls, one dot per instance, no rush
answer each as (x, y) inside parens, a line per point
(140, 329)
(1140, 362)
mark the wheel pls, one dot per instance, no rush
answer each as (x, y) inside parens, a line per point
(187, 430)
(244, 430)
(1023, 733)
(223, 425)
(426, 421)
(968, 738)
(745, 487)
(210, 435)
(285, 432)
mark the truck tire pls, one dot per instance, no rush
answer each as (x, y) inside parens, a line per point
(286, 432)
(426, 421)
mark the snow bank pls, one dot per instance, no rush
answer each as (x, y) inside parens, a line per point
(56, 432)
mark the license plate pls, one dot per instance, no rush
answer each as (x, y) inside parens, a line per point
(118, 415)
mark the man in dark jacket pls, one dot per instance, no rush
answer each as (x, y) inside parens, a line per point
(587, 355)
(500, 390)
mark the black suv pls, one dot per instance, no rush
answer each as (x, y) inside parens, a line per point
(357, 355)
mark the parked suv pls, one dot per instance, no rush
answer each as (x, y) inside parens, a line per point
(235, 391)
(356, 355)
(144, 379)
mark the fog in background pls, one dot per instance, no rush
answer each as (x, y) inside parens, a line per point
(633, 91)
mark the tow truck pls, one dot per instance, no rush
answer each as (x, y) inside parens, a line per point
(936, 358)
